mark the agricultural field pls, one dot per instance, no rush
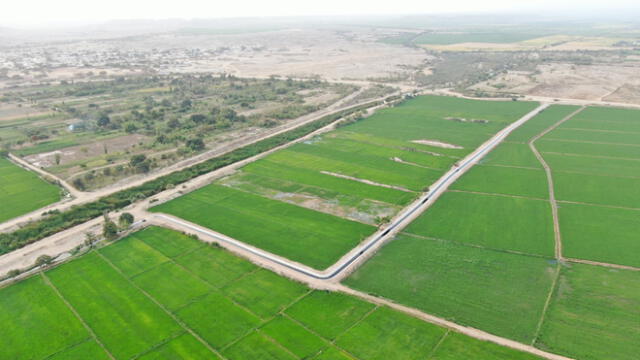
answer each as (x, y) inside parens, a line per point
(498, 292)
(99, 131)
(483, 254)
(489, 221)
(158, 294)
(596, 166)
(22, 191)
(594, 314)
(283, 226)
(488, 39)
(494, 201)
(332, 191)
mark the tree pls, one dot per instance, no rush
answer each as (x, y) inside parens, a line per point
(130, 128)
(57, 157)
(109, 229)
(90, 239)
(78, 184)
(143, 166)
(104, 121)
(195, 144)
(137, 159)
(43, 260)
(186, 104)
(125, 220)
(173, 124)
(198, 118)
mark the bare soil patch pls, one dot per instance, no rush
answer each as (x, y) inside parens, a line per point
(86, 151)
(475, 121)
(584, 82)
(365, 181)
(437, 143)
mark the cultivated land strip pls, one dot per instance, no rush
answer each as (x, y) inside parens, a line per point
(171, 315)
(547, 169)
(479, 334)
(469, 331)
(329, 286)
(76, 314)
(68, 239)
(360, 253)
(467, 244)
(85, 197)
(552, 290)
(556, 222)
(67, 187)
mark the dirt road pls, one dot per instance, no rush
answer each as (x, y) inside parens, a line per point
(547, 170)
(70, 189)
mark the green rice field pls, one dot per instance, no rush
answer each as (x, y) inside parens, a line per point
(158, 294)
(330, 192)
(489, 221)
(495, 291)
(584, 235)
(483, 254)
(283, 227)
(595, 160)
(22, 191)
(594, 314)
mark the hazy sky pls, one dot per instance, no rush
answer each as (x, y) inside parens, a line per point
(47, 12)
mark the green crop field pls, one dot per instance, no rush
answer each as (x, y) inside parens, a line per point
(515, 150)
(597, 189)
(491, 221)
(589, 149)
(505, 180)
(591, 135)
(162, 309)
(595, 162)
(513, 155)
(495, 291)
(459, 347)
(284, 229)
(600, 233)
(594, 314)
(594, 165)
(328, 193)
(22, 191)
(605, 118)
(540, 122)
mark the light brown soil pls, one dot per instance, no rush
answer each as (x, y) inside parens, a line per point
(437, 143)
(587, 82)
(365, 181)
(86, 151)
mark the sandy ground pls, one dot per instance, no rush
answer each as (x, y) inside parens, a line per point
(585, 82)
(85, 151)
(299, 52)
